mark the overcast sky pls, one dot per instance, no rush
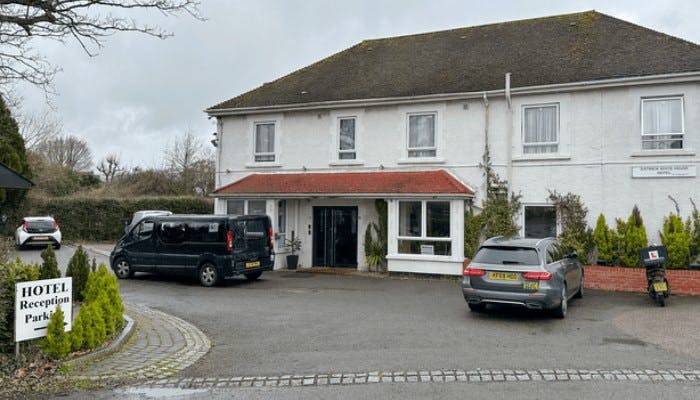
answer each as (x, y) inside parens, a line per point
(140, 93)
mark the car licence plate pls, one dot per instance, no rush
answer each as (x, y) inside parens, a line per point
(660, 286)
(252, 264)
(503, 276)
(530, 285)
(40, 238)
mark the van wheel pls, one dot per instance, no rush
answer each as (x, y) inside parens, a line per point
(208, 275)
(123, 269)
(253, 275)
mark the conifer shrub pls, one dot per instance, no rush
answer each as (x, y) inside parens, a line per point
(49, 268)
(603, 240)
(677, 237)
(56, 344)
(78, 269)
(77, 336)
(94, 332)
(12, 272)
(635, 237)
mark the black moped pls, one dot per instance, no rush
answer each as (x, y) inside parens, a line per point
(653, 259)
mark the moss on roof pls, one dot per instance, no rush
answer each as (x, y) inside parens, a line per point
(585, 46)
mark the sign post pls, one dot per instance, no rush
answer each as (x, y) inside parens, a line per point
(35, 301)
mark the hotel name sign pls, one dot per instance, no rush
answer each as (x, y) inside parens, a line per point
(664, 171)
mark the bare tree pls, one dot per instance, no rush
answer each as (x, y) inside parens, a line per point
(110, 166)
(70, 152)
(37, 128)
(183, 152)
(86, 21)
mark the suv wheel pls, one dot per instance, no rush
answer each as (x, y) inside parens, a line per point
(208, 275)
(560, 312)
(123, 269)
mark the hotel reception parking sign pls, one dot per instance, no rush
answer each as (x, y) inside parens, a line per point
(35, 301)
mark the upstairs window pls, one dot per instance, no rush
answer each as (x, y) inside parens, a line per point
(662, 123)
(421, 136)
(346, 145)
(265, 142)
(541, 129)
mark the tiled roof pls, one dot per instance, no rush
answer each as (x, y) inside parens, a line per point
(348, 183)
(585, 46)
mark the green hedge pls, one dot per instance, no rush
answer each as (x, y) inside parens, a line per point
(103, 219)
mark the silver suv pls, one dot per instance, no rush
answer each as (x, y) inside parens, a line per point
(532, 273)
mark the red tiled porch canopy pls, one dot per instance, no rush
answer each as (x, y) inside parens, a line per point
(438, 183)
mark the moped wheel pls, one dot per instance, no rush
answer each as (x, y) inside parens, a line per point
(660, 300)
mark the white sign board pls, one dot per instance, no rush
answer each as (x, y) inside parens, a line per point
(427, 249)
(664, 171)
(35, 301)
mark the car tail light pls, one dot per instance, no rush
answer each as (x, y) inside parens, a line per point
(537, 276)
(269, 238)
(469, 271)
(229, 241)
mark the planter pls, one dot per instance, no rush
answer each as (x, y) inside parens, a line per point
(292, 261)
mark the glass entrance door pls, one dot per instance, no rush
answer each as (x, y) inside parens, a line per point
(335, 237)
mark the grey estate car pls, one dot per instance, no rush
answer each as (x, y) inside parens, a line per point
(532, 273)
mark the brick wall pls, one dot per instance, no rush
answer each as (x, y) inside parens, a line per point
(634, 279)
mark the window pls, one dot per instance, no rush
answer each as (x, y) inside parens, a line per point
(541, 129)
(144, 230)
(235, 207)
(256, 207)
(507, 255)
(421, 135)
(662, 123)
(243, 207)
(346, 134)
(265, 142)
(172, 232)
(424, 228)
(540, 221)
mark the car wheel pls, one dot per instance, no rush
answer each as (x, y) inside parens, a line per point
(579, 294)
(208, 275)
(123, 269)
(477, 307)
(57, 246)
(253, 275)
(560, 311)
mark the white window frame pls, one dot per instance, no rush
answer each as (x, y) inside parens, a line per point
(347, 151)
(281, 232)
(409, 149)
(246, 209)
(424, 224)
(274, 143)
(667, 134)
(535, 144)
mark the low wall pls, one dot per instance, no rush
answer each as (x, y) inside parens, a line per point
(634, 279)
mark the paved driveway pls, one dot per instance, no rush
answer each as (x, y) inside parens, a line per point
(299, 323)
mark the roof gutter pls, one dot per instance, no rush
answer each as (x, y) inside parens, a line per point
(540, 89)
(341, 195)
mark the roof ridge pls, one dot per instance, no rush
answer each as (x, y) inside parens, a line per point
(514, 21)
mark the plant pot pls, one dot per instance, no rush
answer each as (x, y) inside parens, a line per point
(292, 261)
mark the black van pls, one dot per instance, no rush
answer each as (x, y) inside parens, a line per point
(212, 247)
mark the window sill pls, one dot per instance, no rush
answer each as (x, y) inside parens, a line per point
(431, 160)
(542, 157)
(663, 153)
(341, 163)
(423, 257)
(263, 165)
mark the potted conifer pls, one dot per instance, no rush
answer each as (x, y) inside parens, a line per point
(294, 245)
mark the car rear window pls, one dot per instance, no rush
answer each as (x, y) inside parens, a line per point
(507, 255)
(40, 225)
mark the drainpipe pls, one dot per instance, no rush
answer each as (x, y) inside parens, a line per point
(509, 137)
(486, 133)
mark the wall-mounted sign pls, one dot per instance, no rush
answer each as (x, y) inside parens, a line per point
(35, 301)
(664, 171)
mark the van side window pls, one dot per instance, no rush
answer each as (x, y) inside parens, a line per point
(144, 230)
(255, 228)
(208, 232)
(172, 232)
